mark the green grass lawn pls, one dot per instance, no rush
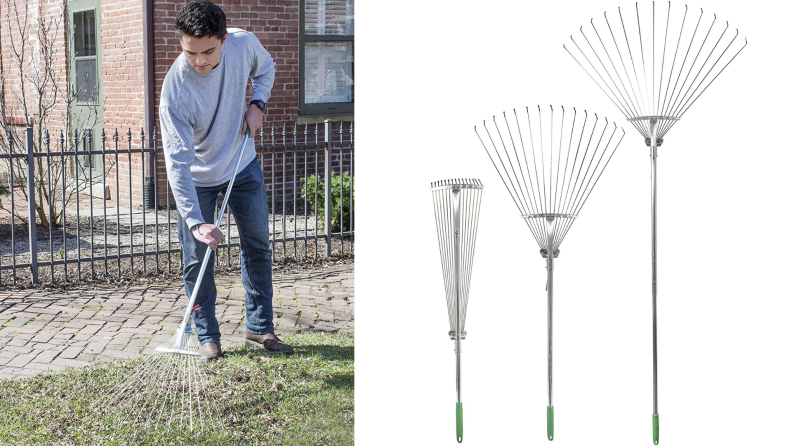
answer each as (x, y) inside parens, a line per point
(304, 399)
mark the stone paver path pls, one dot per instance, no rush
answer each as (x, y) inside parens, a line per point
(42, 330)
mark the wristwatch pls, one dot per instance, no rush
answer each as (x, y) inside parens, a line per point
(196, 226)
(259, 103)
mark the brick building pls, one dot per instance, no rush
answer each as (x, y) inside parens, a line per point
(122, 50)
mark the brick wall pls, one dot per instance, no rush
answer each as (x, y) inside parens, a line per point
(275, 23)
(123, 89)
(20, 101)
(47, 12)
(121, 79)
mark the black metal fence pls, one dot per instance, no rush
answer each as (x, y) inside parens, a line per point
(309, 176)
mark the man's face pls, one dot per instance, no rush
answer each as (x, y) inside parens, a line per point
(203, 53)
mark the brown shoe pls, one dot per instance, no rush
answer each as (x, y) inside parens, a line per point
(270, 342)
(210, 351)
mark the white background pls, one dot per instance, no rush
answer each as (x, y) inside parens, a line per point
(427, 72)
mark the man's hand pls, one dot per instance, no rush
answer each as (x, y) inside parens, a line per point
(209, 234)
(252, 119)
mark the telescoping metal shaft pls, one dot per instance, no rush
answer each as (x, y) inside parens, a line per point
(457, 278)
(653, 155)
(550, 254)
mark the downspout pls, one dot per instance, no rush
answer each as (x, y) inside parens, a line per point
(149, 200)
(2, 84)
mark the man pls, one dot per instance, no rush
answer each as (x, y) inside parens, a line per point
(203, 115)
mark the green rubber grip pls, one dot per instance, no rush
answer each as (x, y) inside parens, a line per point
(656, 428)
(247, 131)
(550, 423)
(459, 422)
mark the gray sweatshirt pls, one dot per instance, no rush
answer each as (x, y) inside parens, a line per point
(201, 118)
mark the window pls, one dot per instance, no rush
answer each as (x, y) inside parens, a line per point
(85, 75)
(85, 55)
(327, 44)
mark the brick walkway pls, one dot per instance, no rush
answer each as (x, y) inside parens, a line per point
(51, 331)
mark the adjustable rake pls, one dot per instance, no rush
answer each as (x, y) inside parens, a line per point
(568, 153)
(168, 388)
(456, 206)
(654, 71)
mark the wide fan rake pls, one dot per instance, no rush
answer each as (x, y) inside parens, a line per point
(456, 205)
(550, 163)
(654, 64)
(170, 389)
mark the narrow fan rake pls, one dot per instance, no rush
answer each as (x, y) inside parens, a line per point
(654, 65)
(456, 206)
(550, 165)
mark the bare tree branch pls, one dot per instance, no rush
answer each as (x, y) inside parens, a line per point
(39, 62)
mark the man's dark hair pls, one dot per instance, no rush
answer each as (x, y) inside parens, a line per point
(199, 19)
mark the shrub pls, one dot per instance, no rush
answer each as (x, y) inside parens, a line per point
(308, 191)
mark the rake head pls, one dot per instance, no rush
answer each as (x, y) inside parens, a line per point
(654, 61)
(456, 205)
(550, 162)
(166, 390)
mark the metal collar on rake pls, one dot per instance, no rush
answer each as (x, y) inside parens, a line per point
(452, 334)
(653, 127)
(550, 218)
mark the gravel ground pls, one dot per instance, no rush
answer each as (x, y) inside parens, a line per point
(289, 254)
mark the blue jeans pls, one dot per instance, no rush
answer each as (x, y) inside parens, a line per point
(248, 204)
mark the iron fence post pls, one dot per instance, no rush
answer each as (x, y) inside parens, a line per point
(328, 168)
(31, 204)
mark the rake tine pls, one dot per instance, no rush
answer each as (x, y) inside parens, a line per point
(525, 159)
(704, 64)
(629, 99)
(687, 53)
(682, 113)
(676, 51)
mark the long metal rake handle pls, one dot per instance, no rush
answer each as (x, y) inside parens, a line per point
(183, 325)
(458, 332)
(550, 408)
(653, 155)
